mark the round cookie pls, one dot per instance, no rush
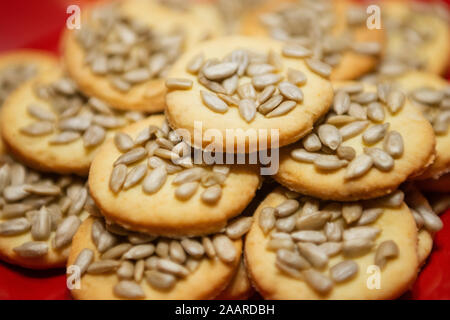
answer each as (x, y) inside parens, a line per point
(421, 87)
(18, 66)
(51, 126)
(129, 71)
(239, 287)
(397, 238)
(342, 39)
(195, 278)
(171, 197)
(39, 215)
(250, 73)
(427, 220)
(418, 37)
(389, 142)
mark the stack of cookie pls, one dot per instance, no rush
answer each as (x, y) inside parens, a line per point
(189, 204)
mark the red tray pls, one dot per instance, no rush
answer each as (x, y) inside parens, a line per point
(38, 25)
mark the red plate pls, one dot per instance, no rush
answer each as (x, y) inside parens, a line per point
(38, 25)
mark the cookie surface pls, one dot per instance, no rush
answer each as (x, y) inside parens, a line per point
(419, 85)
(157, 38)
(51, 126)
(239, 287)
(209, 277)
(358, 174)
(417, 37)
(159, 210)
(288, 21)
(395, 224)
(35, 225)
(199, 105)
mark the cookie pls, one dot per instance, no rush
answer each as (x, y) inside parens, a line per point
(342, 39)
(239, 287)
(19, 66)
(417, 37)
(431, 94)
(365, 147)
(427, 221)
(306, 248)
(137, 266)
(123, 50)
(51, 126)
(39, 215)
(153, 185)
(236, 90)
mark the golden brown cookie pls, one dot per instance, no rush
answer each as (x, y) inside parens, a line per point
(149, 268)
(237, 89)
(153, 186)
(39, 216)
(127, 68)
(366, 146)
(418, 37)
(343, 39)
(51, 126)
(376, 260)
(239, 287)
(431, 94)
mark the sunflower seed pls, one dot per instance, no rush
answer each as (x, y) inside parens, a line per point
(246, 91)
(120, 84)
(381, 160)
(194, 65)
(313, 254)
(312, 142)
(15, 193)
(309, 236)
(292, 259)
(312, 221)
(193, 248)
(346, 153)
(361, 232)
(356, 247)
(84, 259)
(427, 96)
(319, 67)
(176, 252)
(365, 97)
(136, 76)
(393, 144)
(270, 104)
(162, 249)
(331, 248)
(79, 123)
(39, 128)
(211, 85)
(351, 212)
(139, 252)
(304, 156)
(116, 252)
(129, 290)
(290, 91)
(334, 209)
(369, 216)
(139, 269)
(167, 266)
(41, 225)
(135, 176)
(179, 84)
(14, 227)
(118, 176)
(432, 222)
(155, 180)
(65, 231)
(239, 227)
(247, 109)
(375, 133)
(140, 238)
(14, 210)
(186, 190)
(329, 135)
(230, 85)
(296, 51)
(126, 270)
(212, 194)
(352, 88)
(386, 250)
(267, 219)
(286, 208)
(32, 249)
(358, 166)
(132, 156)
(343, 271)
(341, 102)
(375, 112)
(220, 71)
(160, 280)
(260, 68)
(78, 202)
(329, 162)
(290, 271)
(213, 102)
(94, 136)
(40, 113)
(353, 129)
(188, 175)
(106, 241)
(395, 101)
(123, 142)
(65, 137)
(276, 244)
(99, 105)
(282, 109)
(286, 224)
(224, 248)
(296, 77)
(264, 80)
